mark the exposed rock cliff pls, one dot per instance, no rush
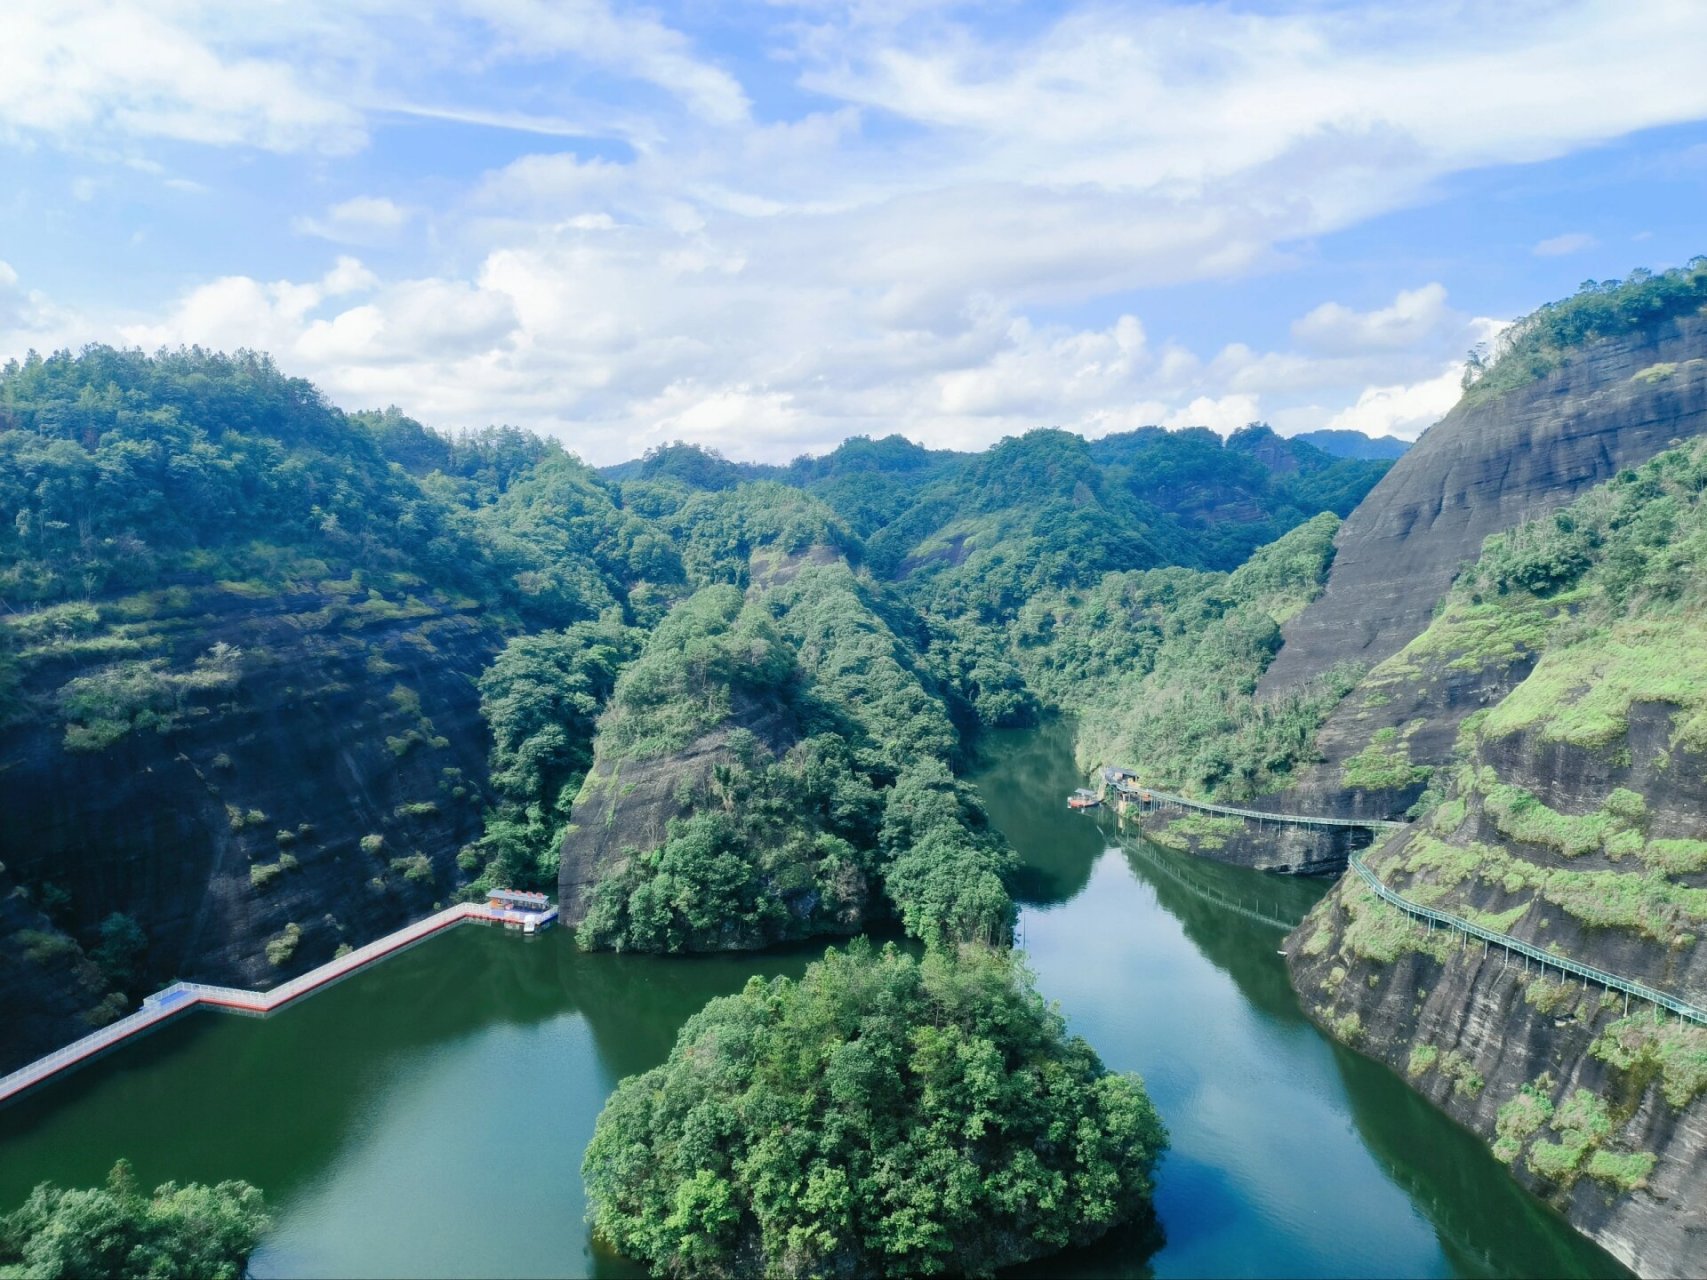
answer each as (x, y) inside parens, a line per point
(1570, 812)
(1492, 462)
(326, 779)
(723, 810)
(1262, 847)
(626, 806)
(1596, 1105)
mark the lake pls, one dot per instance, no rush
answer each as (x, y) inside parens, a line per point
(427, 1117)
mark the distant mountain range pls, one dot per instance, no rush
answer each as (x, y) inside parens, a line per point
(1354, 444)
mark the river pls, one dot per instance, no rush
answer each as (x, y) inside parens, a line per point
(427, 1117)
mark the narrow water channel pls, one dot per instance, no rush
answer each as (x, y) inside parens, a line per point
(427, 1117)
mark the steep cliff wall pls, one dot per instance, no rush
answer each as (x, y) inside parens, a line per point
(625, 806)
(1381, 746)
(1596, 1105)
(1570, 812)
(325, 778)
(1489, 464)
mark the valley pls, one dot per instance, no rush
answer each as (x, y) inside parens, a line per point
(386, 1165)
(276, 680)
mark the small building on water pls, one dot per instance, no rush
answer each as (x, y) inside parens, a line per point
(519, 909)
(517, 900)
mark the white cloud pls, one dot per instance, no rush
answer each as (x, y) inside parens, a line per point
(1405, 411)
(636, 44)
(1561, 246)
(598, 336)
(236, 311)
(11, 296)
(1184, 97)
(360, 220)
(1224, 414)
(1414, 315)
(1041, 377)
(876, 259)
(82, 69)
(347, 275)
(29, 320)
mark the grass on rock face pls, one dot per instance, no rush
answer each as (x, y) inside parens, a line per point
(1198, 831)
(1581, 694)
(1383, 765)
(1643, 902)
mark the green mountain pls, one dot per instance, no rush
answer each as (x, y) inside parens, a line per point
(1505, 650)
(315, 671)
(275, 679)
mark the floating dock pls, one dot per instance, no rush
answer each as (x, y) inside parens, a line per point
(182, 997)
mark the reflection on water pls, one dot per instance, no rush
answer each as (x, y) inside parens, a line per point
(427, 1117)
(1291, 1155)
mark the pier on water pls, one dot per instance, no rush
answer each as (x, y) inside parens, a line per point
(526, 913)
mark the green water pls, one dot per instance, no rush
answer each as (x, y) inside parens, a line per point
(427, 1117)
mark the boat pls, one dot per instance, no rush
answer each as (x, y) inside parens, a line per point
(1083, 799)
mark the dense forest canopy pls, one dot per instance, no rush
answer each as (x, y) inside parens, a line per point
(882, 1116)
(1544, 339)
(119, 1231)
(121, 472)
(890, 600)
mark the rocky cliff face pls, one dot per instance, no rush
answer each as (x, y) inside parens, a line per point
(1486, 466)
(327, 784)
(625, 806)
(1596, 1103)
(1382, 745)
(1545, 720)
(1287, 850)
(1567, 813)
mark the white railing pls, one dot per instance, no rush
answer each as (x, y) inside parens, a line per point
(181, 997)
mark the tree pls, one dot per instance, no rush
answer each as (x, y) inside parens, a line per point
(117, 1232)
(882, 1116)
(120, 952)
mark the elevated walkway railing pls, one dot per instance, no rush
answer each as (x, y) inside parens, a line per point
(1587, 972)
(1163, 798)
(1517, 946)
(181, 997)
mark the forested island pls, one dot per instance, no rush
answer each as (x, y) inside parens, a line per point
(883, 1116)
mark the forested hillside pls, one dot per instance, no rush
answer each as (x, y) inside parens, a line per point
(241, 648)
(317, 671)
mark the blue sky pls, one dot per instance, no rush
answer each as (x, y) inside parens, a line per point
(766, 227)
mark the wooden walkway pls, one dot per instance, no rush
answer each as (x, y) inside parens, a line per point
(181, 997)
